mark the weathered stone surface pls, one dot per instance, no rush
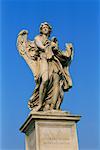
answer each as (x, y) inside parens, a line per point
(50, 67)
(52, 130)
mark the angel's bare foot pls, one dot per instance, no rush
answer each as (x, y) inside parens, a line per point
(52, 107)
(47, 107)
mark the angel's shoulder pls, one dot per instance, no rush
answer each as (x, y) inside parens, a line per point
(38, 37)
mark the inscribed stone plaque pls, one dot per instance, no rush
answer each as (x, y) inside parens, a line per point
(56, 136)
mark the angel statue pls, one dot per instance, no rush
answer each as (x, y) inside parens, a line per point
(50, 67)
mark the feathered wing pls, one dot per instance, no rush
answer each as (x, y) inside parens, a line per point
(21, 42)
(28, 51)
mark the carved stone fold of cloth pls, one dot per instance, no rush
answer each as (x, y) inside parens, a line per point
(50, 59)
(34, 58)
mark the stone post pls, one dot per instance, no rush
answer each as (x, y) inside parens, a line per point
(51, 130)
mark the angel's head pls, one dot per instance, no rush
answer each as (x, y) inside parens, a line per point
(45, 28)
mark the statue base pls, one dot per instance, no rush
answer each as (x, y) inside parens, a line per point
(51, 130)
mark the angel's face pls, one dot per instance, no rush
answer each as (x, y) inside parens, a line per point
(45, 29)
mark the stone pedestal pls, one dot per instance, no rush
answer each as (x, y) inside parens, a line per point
(55, 130)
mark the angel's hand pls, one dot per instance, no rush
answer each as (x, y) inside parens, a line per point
(69, 49)
(48, 44)
(53, 44)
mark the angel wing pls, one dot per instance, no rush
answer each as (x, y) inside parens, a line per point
(29, 52)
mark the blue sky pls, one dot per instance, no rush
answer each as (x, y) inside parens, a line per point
(72, 21)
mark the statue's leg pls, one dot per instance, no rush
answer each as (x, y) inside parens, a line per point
(44, 82)
(56, 88)
(60, 98)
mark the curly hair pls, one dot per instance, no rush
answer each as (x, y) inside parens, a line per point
(45, 23)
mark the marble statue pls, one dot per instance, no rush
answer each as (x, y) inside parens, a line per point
(50, 67)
